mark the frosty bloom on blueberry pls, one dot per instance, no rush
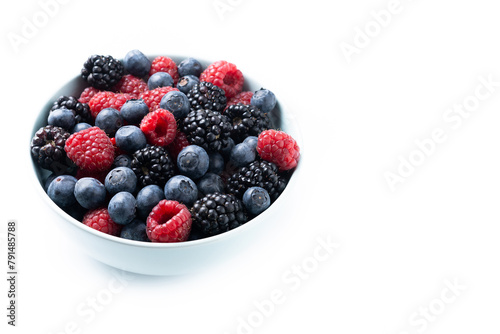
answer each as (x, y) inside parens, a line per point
(151, 150)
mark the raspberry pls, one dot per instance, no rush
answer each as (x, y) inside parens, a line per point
(103, 100)
(224, 75)
(90, 149)
(159, 127)
(243, 98)
(87, 94)
(164, 64)
(99, 220)
(152, 98)
(176, 146)
(169, 221)
(279, 148)
(131, 85)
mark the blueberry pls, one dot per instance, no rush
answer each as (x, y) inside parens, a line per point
(136, 230)
(189, 66)
(160, 79)
(256, 200)
(130, 138)
(90, 193)
(241, 155)
(187, 82)
(61, 190)
(136, 63)
(215, 163)
(120, 179)
(133, 111)
(48, 180)
(227, 148)
(121, 208)
(147, 198)
(177, 103)
(251, 141)
(264, 99)
(109, 120)
(123, 160)
(192, 161)
(62, 117)
(211, 183)
(182, 189)
(80, 126)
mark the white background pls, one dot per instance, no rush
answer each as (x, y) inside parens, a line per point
(397, 248)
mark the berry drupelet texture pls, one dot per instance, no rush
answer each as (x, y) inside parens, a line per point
(217, 213)
(102, 72)
(152, 165)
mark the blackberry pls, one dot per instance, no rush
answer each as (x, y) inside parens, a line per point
(102, 72)
(262, 174)
(152, 165)
(206, 95)
(80, 110)
(216, 213)
(246, 120)
(47, 148)
(207, 128)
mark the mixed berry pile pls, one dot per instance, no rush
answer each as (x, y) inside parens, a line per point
(157, 151)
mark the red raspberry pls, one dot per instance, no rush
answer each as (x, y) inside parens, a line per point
(100, 220)
(224, 75)
(159, 127)
(279, 148)
(164, 64)
(106, 99)
(243, 98)
(90, 149)
(131, 85)
(153, 97)
(87, 94)
(179, 143)
(169, 221)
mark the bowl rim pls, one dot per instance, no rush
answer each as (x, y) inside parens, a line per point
(285, 110)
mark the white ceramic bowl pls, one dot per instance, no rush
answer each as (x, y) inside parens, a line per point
(167, 258)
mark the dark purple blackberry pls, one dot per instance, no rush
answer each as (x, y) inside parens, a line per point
(152, 165)
(206, 95)
(262, 174)
(246, 120)
(80, 110)
(207, 128)
(47, 149)
(102, 72)
(217, 213)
